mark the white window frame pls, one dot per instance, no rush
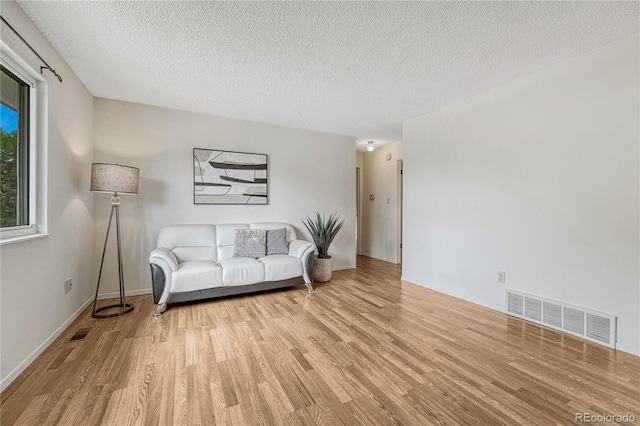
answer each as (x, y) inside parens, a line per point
(37, 128)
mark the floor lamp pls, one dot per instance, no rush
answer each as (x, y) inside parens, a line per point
(116, 179)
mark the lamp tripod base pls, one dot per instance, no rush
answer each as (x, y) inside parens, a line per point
(125, 309)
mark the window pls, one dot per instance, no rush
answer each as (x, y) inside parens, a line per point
(18, 149)
(14, 151)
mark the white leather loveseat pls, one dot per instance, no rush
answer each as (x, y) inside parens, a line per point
(194, 262)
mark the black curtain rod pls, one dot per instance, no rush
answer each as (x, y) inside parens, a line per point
(47, 66)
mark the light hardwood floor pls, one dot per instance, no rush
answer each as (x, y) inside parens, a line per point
(365, 348)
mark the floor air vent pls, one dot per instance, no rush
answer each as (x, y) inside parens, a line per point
(80, 334)
(590, 325)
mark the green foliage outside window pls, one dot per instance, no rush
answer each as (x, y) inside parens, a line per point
(8, 178)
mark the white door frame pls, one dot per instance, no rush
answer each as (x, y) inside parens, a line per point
(359, 218)
(400, 189)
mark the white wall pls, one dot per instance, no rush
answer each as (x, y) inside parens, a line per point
(34, 308)
(538, 178)
(380, 234)
(308, 171)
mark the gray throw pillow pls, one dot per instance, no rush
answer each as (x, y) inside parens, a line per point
(250, 243)
(277, 241)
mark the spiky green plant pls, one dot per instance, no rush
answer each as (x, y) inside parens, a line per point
(323, 231)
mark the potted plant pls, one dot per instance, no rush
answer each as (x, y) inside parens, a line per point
(323, 231)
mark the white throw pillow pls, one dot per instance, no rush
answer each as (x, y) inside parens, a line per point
(250, 243)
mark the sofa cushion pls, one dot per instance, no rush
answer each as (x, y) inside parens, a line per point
(196, 275)
(241, 271)
(250, 243)
(277, 242)
(189, 242)
(281, 267)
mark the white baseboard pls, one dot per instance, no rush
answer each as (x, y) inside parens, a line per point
(500, 308)
(627, 348)
(6, 381)
(342, 268)
(126, 293)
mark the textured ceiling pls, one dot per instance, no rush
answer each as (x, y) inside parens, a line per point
(354, 68)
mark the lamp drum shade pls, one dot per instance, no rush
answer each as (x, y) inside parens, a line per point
(114, 178)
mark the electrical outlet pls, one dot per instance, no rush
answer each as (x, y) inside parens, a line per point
(502, 277)
(67, 285)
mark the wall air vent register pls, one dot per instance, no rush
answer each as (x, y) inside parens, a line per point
(591, 325)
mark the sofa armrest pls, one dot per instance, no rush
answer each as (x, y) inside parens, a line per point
(304, 251)
(163, 263)
(299, 248)
(165, 254)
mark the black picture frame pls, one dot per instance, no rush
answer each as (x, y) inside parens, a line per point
(230, 177)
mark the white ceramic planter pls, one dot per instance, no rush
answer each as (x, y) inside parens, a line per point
(321, 270)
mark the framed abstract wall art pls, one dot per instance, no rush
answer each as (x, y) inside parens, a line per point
(228, 177)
